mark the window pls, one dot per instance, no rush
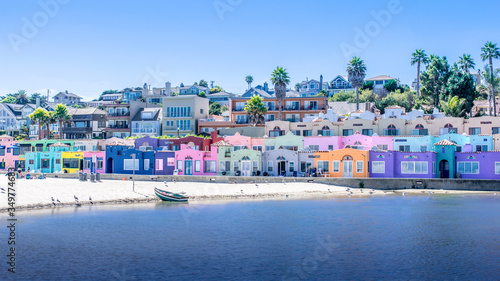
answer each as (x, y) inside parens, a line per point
(15, 151)
(197, 165)
(58, 161)
(336, 166)
(45, 163)
(269, 148)
(330, 147)
(305, 166)
(497, 167)
(367, 132)
(414, 167)
(86, 164)
(423, 148)
(100, 163)
(159, 164)
(257, 147)
(296, 132)
(347, 132)
(391, 131)
(382, 146)
(314, 147)
(146, 164)
(495, 130)
(474, 131)
(255, 166)
(2, 152)
(480, 148)
(179, 165)
(130, 164)
(291, 166)
(210, 166)
(359, 166)
(307, 133)
(323, 166)
(404, 148)
(269, 166)
(236, 166)
(469, 167)
(433, 167)
(378, 167)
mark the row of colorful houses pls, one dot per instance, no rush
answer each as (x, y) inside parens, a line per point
(451, 156)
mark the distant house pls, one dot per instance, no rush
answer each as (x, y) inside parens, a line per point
(67, 98)
(86, 123)
(312, 87)
(380, 81)
(221, 97)
(147, 122)
(340, 83)
(255, 91)
(190, 90)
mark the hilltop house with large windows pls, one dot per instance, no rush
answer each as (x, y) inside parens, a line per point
(181, 114)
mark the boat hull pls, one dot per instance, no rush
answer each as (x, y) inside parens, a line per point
(169, 196)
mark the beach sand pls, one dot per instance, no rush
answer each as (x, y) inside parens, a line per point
(38, 193)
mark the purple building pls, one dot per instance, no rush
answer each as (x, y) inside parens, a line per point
(398, 164)
(164, 162)
(146, 143)
(478, 165)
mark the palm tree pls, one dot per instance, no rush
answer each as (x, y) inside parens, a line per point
(22, 97)
(39, 116)
(417, 58)
(492, 80)
(280, 79)
(62, 115)
(51, 119)
(256, 110)
(489, 52)
(249, 80)
(466, 62)
(356, 72)
(297, 87)
(454, 107)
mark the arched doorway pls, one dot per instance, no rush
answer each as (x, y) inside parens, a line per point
(109, 165)
(444, 169)
(347, 166)
(281, 161)
(246, 166)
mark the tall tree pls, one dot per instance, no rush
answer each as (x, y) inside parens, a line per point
(249, 80)
(465, 62)
(51, 119)
(39, 116)
(256, 110)
(419, 57)
(22, 97)
(356, 72)
(461, 84)
(434, 79)
(203, 83)
(34, 96)
(215, 109)
(492, 81)
(62, 115)
(489, 52)
(280, 79)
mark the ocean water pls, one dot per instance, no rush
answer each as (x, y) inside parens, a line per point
(438, 237)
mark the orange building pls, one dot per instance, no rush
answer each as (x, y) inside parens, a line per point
(342, 163)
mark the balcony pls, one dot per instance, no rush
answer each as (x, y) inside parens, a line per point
(293, 119)
(125, 114)
(241, 122)
(326, 133)
(170, 128)
(189, 115)
(239, 109)
(391, 132)
(144, 131)
(77, 130)
(117, 127)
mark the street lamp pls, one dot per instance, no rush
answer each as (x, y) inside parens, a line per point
(133, 172)
(178, 129)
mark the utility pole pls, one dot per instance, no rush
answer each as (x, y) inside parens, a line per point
(133, 172)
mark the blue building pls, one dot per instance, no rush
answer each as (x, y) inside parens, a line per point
(119, 160)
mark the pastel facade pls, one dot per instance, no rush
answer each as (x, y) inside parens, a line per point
(93, 162)
(190, 161)
(46, 162)
(146, 143)
(164, 162)
(72, 162)
(245, 161)
(346, 163)
(119, 160)
(484, 165)
(397, 164)
(323, 143)
(288, 141)
(445, 159)
(9, 152)
(240, 142)
(281, 162)
(363, 142)
(413, 143)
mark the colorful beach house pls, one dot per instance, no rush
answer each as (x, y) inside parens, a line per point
(9, 152)
(281, 162)
(413, 143)
(47, 161)
(397, 164)
(190, 161)
(322, 143)
(241, 142)
(72, 161)
(474, 165)
(359, 141)
(93, 162)
(146, 143)
(120, 160)
(245, 162)
(346, 163)
(445, 158)
(40, 145)
(288, 141)
(164, 162)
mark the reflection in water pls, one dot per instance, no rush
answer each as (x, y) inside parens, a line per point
(393, 237)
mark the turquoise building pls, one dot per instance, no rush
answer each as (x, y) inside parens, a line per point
(46, 162)
(445, 159)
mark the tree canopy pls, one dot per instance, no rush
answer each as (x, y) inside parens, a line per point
(215, 109)
(256, 110)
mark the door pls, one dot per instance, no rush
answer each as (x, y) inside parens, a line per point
(246, 168)
(444, 169)
(281, 168)
(347, 169)
(188, 167)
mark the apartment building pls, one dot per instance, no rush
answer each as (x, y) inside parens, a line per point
(180, 114)
(86, 123)
(118, 117)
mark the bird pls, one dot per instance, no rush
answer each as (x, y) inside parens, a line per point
(58, 201)
(371, 192)
(53, 203)
(52, 199)
(349, 195)
(174, 180)
(256, 185)
(329, 190)
(76, 198)
(267, 181)
(242, 191)
(404, 194)
(287, 196)
(283, 181)
(165, 182)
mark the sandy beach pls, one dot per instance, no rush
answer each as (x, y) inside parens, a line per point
(39, 193)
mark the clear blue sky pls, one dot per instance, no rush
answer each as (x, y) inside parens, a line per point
(90, 46)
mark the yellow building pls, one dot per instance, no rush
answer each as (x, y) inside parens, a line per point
(72, 162)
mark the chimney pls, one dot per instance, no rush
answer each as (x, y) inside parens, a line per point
(266, 87)
(168, 89)
(320, 83)
(37, 102)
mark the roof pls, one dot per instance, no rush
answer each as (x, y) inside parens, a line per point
(394, 107)
(117, 143)
(262, 93)
(59, 144)
(88, 110)
(292, 93)
(221, 143)
(342, 107)
(68, 94)
(381, 77)
(155, 110)
(445, 143)
(221, 94)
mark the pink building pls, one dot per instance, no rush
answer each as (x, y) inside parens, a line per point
(240, 142)
(193, 162)
(9, 152)
(363, 142)
(322, 143)
(93, 162)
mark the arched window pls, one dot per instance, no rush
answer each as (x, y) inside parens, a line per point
(347, 158)
(448, 126)
(189, 158)
(391, 127)
(325, 128)
(419, 126)
(357, 143)
(245, 158)
(280, 158)
(145, 143)
(276, 128)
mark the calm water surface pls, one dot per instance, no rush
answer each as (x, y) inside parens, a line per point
(405, 238)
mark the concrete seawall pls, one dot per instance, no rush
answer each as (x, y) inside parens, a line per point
(375, 183)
